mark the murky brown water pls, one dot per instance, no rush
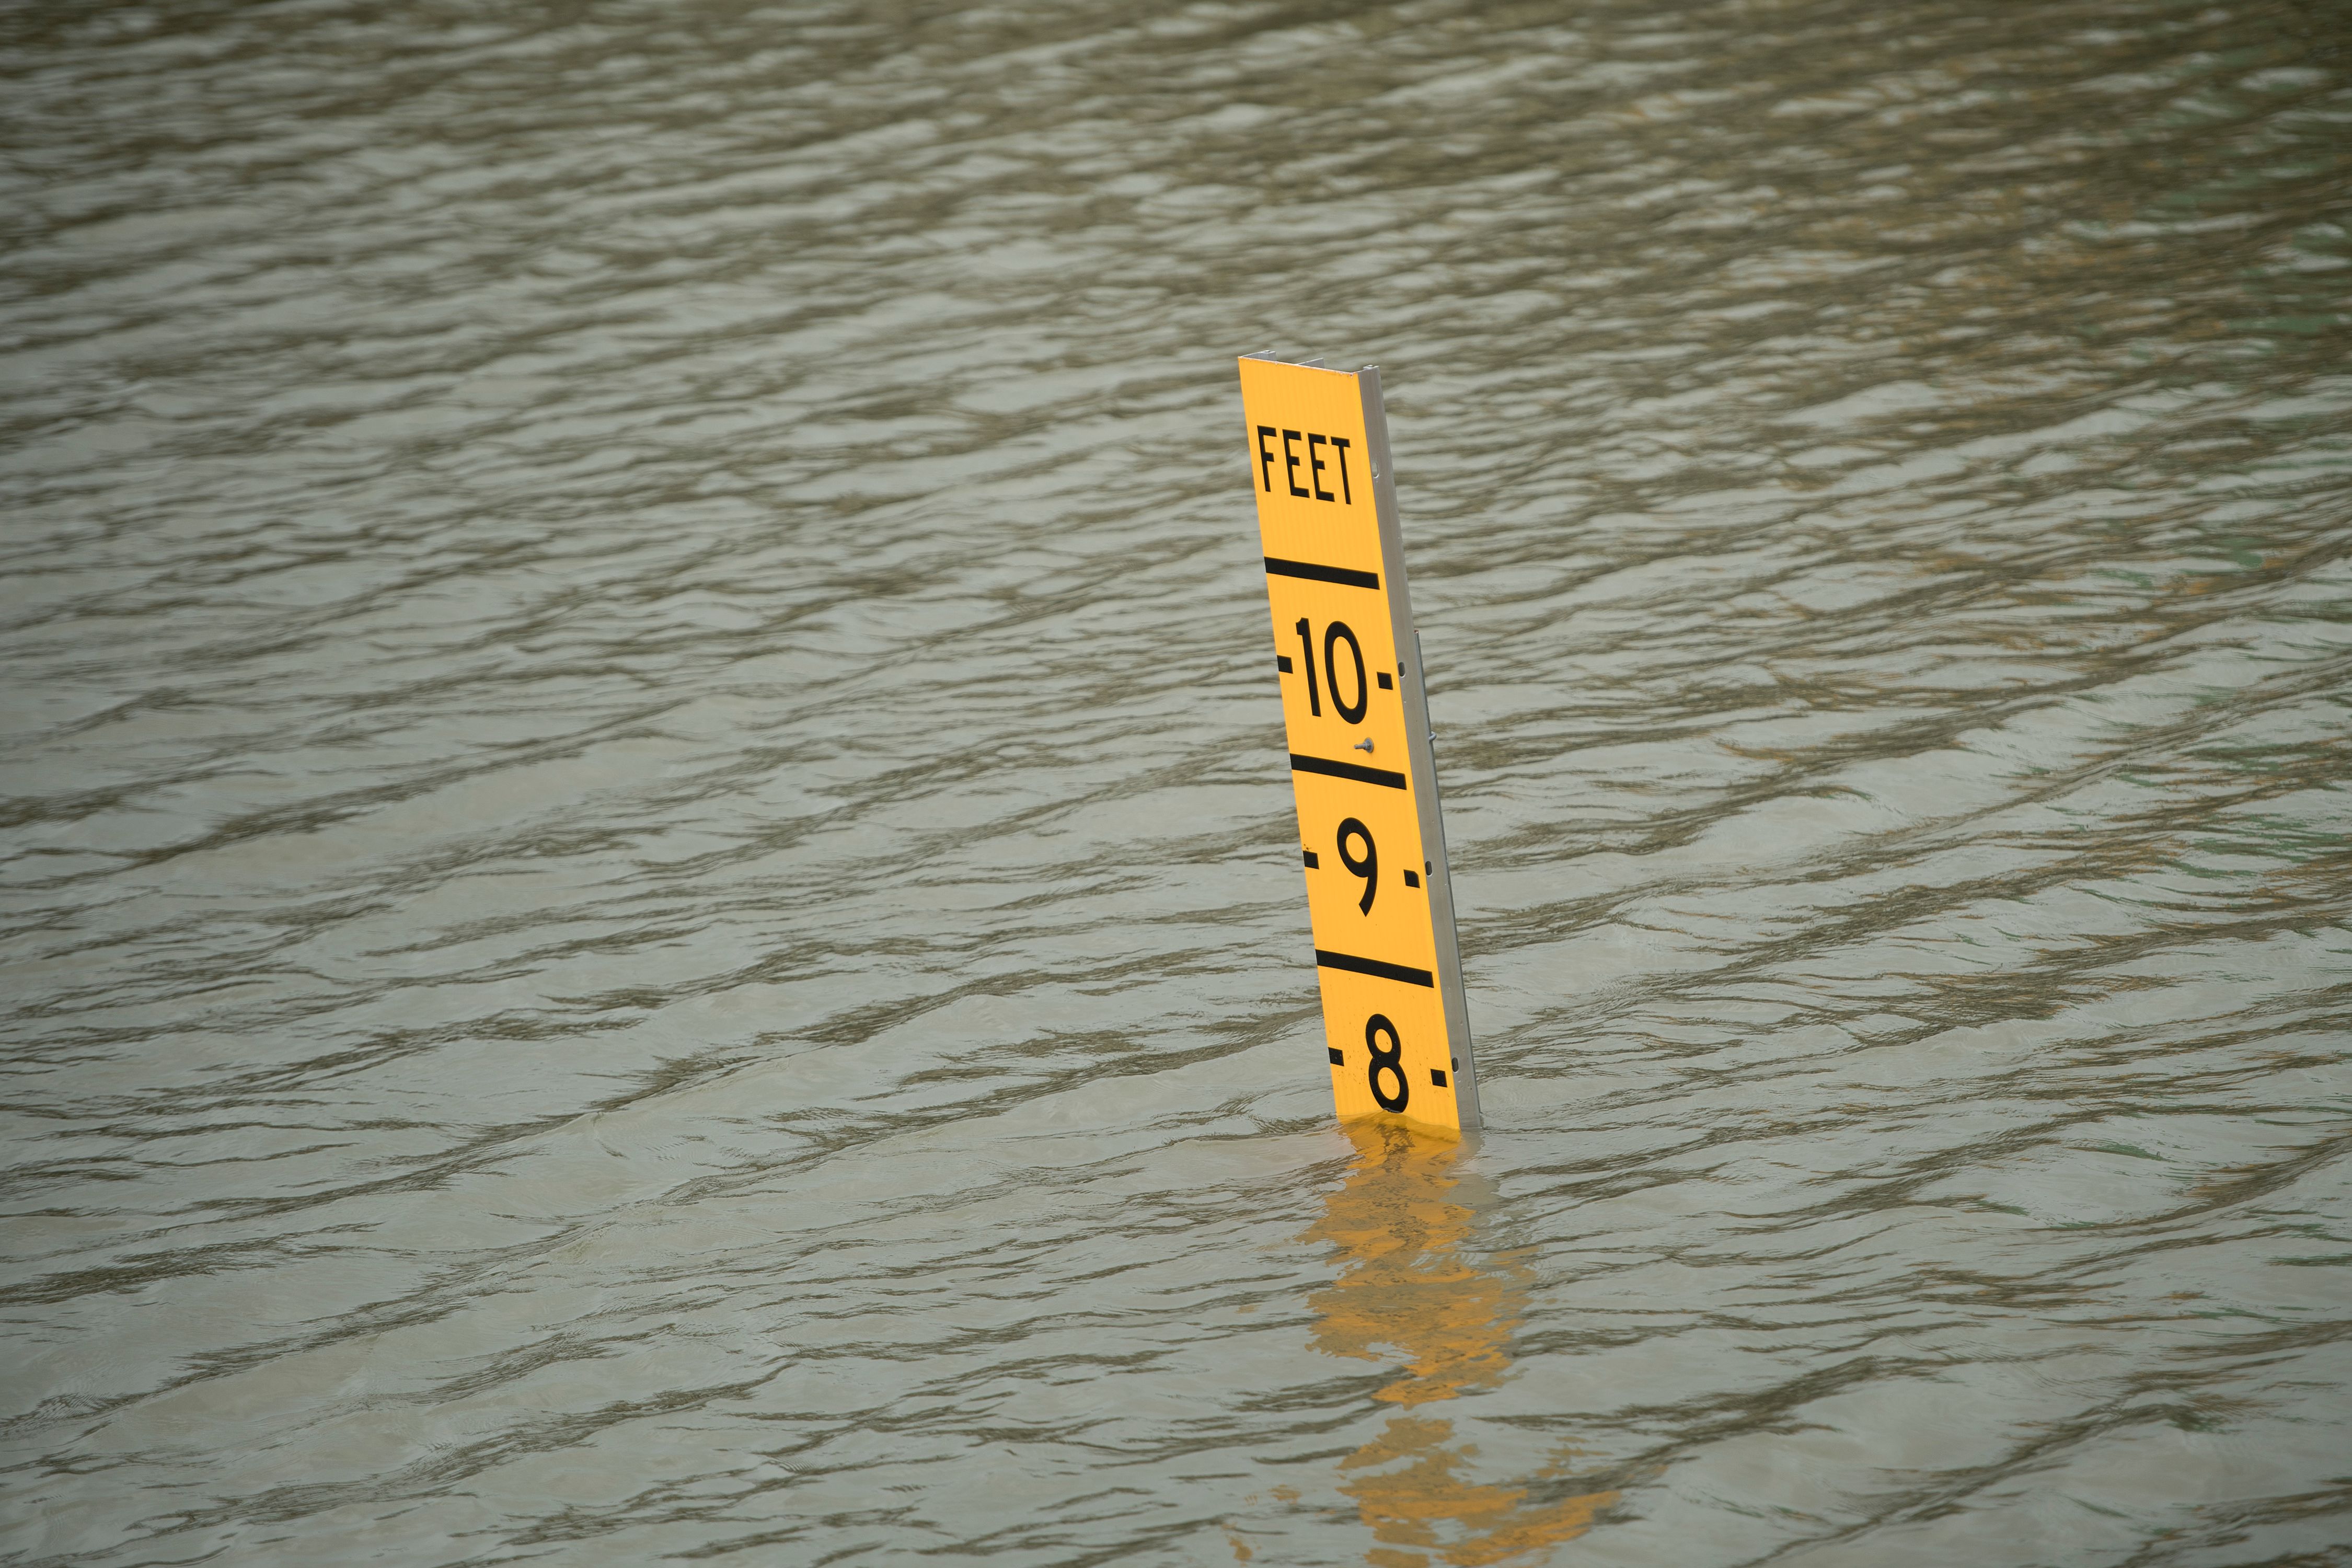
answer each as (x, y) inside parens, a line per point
(651, 903)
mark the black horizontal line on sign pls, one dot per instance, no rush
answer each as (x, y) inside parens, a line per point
(1375, 967)
(1355, 771)
(1342, 575)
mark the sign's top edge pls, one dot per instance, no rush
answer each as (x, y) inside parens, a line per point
(1297, 364)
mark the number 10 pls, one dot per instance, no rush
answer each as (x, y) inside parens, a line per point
(1336, 633)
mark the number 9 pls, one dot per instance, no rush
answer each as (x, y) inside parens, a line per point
(1368, 867)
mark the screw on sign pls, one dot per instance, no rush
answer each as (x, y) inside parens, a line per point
(1378, 896)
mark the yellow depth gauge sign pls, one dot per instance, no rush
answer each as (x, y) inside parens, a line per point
(1377, 895)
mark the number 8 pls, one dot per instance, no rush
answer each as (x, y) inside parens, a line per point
(1389, 1060)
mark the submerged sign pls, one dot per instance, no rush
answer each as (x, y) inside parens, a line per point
(1377, 895)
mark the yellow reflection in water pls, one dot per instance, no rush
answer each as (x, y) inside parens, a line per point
(1407, 1292)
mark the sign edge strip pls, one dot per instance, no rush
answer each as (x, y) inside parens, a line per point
(1420, 754)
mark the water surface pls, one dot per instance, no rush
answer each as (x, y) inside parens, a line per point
(652, 909)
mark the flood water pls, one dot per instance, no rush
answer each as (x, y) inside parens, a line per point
(651, 900)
